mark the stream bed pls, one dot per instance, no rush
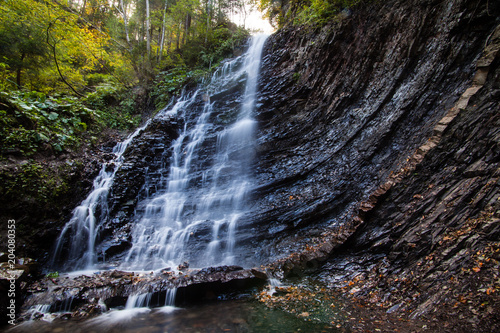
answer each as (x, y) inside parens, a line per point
(223, 316)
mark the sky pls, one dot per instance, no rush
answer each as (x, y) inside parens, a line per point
(254, 21)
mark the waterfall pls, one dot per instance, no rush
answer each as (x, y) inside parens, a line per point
(83, 228)
(198, 199)
(138, 301)
(151, 300)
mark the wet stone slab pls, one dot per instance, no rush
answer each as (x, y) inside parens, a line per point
(92, 293)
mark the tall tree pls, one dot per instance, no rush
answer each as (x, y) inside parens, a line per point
(148, 30)
(162, 38)
(125, 21)
(21, 37)
(52, 42)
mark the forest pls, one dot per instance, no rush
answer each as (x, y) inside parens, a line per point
(108, 62)
(74, 67)
(166, 167)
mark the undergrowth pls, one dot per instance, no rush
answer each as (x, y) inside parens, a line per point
(32, 122)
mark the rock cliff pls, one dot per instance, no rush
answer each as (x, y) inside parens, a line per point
(345, 106)
(379, 159)
(431, 240)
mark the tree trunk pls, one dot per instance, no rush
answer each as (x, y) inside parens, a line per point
(244, 10)
(18, 72)
(82, 11)
(208, 20)
(170, 37)
(178, 35)
(187, 25)
(125, 22)
(148, 32)
(162, 39)
(219, 12)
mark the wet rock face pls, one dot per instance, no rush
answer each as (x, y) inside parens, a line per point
(144, 160)
(342, 107)
(145, 157)
(431, 242)
(339, 109)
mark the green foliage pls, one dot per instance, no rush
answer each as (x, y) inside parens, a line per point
(115, 106)
(275, 10)
(170, 83)
(304, 12)
(220, 44)
(196, 60)
(32, 122)
(319, 12)
(34, 182)
(69, 46)
(52, 275)
(21, 36)
(296, 77)
(98, 50)
(46, 47)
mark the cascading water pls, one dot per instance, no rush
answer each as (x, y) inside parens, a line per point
(200, 199)
(194, 195)
(83, 228)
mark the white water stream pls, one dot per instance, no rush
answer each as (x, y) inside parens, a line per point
(200, 195)
(195, 202)
(210, 206)
(84, 226)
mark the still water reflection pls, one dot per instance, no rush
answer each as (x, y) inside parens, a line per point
(227, 316)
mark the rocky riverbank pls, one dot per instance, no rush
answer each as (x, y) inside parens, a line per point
(88, 294)
(422, 246)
